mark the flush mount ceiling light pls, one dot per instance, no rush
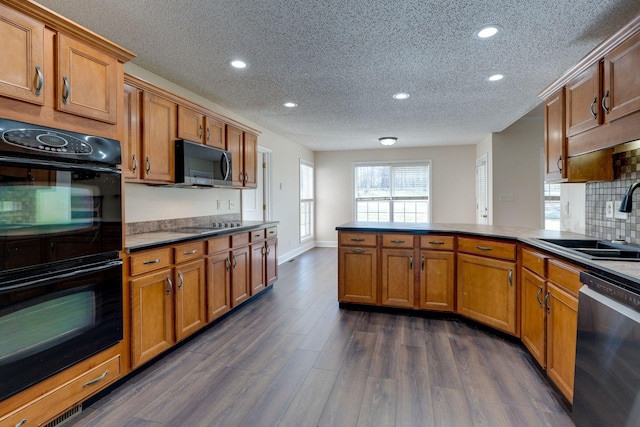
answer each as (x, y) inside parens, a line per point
(388, 140)
(290, 104)
(487, 31)
(238, 64)
(401, 95)
(496, 77)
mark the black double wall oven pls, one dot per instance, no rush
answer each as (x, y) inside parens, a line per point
(60, 237)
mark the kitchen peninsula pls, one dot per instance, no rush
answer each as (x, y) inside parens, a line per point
(509, 279)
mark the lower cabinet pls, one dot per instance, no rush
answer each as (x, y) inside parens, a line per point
(218, 285)
(190, 298)
(357, 275)
(533, 315)
(271, 266)
(398, 278)
(240, 276)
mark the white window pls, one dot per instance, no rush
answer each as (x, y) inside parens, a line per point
(392, 192)
(306, 200)
(552, 206)
(482, 205)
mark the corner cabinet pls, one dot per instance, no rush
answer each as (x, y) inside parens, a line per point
(487, 282)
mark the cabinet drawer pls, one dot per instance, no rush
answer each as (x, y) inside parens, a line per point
(535, 262)
(188, 252)
(564, 275)
(489, 248)
(357, 239)
(65, 396)
(272, 232)
(434, 242)
(239, 239)
(257, 235)
(397, 240)
(149, 261)
(218, 244)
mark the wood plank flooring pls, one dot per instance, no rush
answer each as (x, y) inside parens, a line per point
(294, 358)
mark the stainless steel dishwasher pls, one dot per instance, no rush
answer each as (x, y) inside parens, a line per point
(607, 380)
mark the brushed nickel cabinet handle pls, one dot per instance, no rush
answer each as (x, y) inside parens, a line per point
(200, 132)
(411, 262)
(483, 248)
(358, 251)
(396, 241)
(273, 232)
(510, 277)
(227, 263)
(431, 242)
(153, 261)
(135, 164)
(268, 249)
(181, 282)
(422, 263)
(208, 134)
(169, 285)
(40, 80)
(559, 164)
(97, 380)
(148, 165)
(546, 302)
(190, 252)
(21, 423)
(357, 239)
(593, 113)
(235, 262)
(538, 296)
(604, 102)
(67, 90)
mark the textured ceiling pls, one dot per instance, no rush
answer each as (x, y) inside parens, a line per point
(342, 60)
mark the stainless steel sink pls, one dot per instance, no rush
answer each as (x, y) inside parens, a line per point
(597, 249)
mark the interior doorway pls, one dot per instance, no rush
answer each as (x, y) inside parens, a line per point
(256, 204)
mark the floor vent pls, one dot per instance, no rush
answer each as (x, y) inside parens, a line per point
(71, 413)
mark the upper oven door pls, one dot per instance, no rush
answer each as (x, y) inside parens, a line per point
(52, 212)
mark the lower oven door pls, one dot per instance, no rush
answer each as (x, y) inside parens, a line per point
(607, 380)
(50, 321)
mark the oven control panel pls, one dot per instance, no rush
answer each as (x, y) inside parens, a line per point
(46, 140)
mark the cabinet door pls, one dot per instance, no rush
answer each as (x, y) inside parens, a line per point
(190, 294)
(437, 280)
(152, 315)
(215, 133)
(487, 291)
(22, 73)
(250, 157)
(159, 130)
(87, 81)
(555, 141)
(272, 261)
(131, 143)
(357, 275)
(398, 278)
(218, 285)
(533, 315)
(190, 124)
(622, 80)
(258, 267)
(234, 145)
(583, 98)
(240, 276)
(562, 326)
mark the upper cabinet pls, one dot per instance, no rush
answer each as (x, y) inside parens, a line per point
(197, 126)
(593, 107)
(56, 73)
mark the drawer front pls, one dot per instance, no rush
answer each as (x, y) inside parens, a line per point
(257, 235)
(357, 239)
(65, 396)
(397, 240)
(149, 261)
(434, 242)
(488, 248)
(566, 276)
(239, 239)
(218, 244)
(535, 262)
(188, 252)
(272, 232)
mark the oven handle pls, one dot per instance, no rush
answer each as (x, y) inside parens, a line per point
(75, 273)
(56, 165)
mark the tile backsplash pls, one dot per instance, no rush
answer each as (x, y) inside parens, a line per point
(626, 168)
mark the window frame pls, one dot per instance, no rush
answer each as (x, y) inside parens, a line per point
(309, 202)
(394, 163)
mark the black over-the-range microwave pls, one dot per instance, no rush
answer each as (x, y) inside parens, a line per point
(199, 165)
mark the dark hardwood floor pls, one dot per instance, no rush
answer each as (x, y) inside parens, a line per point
(294, 358)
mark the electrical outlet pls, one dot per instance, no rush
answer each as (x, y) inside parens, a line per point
(608, 212)
(617, 214)
(219, 204)
(232, 204)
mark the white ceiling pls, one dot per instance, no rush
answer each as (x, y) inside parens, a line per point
(342, 60)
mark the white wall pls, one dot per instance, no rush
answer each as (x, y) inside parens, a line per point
(517, 156)
(145, 203)
(452, 184)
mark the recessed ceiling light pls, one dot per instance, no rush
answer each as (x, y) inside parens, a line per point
(487, 31)
(496, 77)
(388, 140)
(238, 64)
(401, 95)
(290, 104)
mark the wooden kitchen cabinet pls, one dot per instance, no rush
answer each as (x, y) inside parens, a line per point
(218, 284)
(158, 136)
(196, 126)
(22, 73)
(190, 293)
(240, 275)
(555, 141)
(244, 154)
(131, 144)
(621, 81)
(357, 268)
(250, 159)
(271, 266)
(583, 100)
(533, 315)
(437, 273)
(258, 261)
(398, 273)
(486, 287)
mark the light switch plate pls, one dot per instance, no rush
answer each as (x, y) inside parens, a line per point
(608, 212)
